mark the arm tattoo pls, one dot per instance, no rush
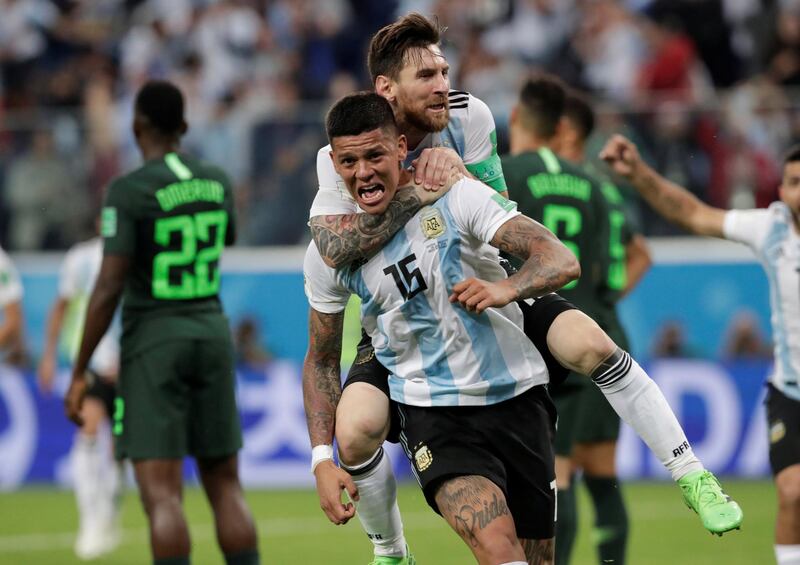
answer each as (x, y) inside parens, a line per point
(470, 503)
(347, 238)
(547, 261)
(321, 375)
(538, 551)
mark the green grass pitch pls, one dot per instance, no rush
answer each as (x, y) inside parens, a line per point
(37, 527)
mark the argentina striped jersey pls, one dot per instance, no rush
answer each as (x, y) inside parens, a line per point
(438, 353)
(770, 233)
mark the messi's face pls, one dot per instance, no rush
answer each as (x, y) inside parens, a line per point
(419, 95)
(790, 187)
(370, 164)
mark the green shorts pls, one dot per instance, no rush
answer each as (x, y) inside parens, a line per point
(178, 399)
(584, 416)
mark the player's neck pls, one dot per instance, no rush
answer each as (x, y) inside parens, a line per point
(572, 153)
(158, 150)
(414, 136)
(526, 142)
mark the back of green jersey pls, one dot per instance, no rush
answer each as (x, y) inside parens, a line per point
(567, 201)
(172, 216)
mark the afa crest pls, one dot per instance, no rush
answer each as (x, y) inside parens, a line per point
(777, 431)
(422, 457)
(432, 223)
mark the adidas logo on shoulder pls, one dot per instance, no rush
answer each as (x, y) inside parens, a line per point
(458, 99)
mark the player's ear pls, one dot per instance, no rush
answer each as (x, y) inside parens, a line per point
(402, 147)
(514, 115)
(384, 86)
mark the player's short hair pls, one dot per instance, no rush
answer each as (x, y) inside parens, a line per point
(541, 102)
(161, 102)
(357, 113)
(578, 110)
(389, 46)
(792, 155)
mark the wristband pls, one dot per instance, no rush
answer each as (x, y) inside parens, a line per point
(320, 453)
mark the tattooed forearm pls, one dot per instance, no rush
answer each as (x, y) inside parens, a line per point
(548, 266)
(538, 551)
(321, 382)
(347, 238)
(470, 504)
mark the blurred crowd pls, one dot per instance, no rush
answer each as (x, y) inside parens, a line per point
(706, 87)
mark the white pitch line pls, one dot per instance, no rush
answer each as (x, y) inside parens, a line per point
(276, 527)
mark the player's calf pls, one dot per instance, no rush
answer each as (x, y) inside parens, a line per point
(362, 423)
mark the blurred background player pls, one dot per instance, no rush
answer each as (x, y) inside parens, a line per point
(587, 437)
(164, 227)
(570, 202)
(12, 334)
(97, 479)
(774, 235)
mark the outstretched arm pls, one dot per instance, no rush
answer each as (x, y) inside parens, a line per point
(670, 200)
(548, 266)
(321, 392)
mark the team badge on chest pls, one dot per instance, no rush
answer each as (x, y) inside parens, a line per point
(432, 223)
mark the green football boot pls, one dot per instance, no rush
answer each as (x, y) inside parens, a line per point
(384, 560)
(703, 494)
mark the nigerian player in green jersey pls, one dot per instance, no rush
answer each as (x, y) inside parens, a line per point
(571, 203)
(164, 226)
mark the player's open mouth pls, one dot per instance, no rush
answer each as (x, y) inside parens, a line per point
(371, 194)
(437, 107)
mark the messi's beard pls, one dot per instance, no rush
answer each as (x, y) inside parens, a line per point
(422, 122)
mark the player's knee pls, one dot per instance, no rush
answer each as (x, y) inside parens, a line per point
(360, 438)
(789, 494)
(597, 347)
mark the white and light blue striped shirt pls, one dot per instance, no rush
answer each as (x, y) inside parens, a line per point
(771, 234)
(438, 353)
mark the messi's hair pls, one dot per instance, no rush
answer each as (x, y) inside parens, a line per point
(390, 45)
(578, 110)
(542, 101)
(356, 113)
(161, 102)
(792, 155)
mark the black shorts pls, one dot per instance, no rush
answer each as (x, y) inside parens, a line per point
(509, 443)
(538, 317)
(104, 390)
(783, 419)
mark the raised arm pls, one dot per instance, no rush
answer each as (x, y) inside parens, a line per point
(548, 266)
(670, 200)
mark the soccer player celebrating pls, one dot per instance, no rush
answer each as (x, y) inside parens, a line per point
(164, 227)
(447, 132)
(774, 235)
(476, 419)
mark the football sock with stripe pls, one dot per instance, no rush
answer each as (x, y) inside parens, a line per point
(641, 404)
(377, 507)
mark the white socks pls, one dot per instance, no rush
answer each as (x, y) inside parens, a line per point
(787, 554)
(377, 507)
(87, 472)
(98, 482)
(640, 403)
